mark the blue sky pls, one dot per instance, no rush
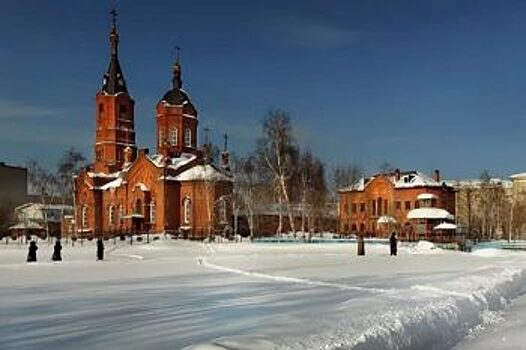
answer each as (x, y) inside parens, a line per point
(420, 84)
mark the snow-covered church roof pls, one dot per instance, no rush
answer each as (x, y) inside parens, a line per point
(201, 173)
(174, 163)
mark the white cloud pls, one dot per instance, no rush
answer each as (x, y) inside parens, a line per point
(304, 32)
(17, 110)
(22, 123)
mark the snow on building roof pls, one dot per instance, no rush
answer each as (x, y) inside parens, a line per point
(109, 175)
(430, 213)
(386, 220)
(357, 186)
(408, 179)
(142, 187)
(112, 184)
(30, 225)
(445, 226)
(425, 196)
(519, 176)
(173, 162)
(478, 182)
(201, 173)
(415, 179)
(133, 216)
(40, 206)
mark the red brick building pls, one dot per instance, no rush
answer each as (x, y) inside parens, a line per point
(129, 190)
(409, 203)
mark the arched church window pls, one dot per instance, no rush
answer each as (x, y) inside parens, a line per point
(84, 218)
(124, 110)
(121, 213)
(152, 211)
(188, 137)
(187, 210)
(223, 217)
(138, 206)
(173, 136)
(161, 136)
(111, 215)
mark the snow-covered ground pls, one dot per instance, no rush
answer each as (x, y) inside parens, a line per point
(176, 294)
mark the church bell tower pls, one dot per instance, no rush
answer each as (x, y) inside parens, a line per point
(115, 114)
(176, 118)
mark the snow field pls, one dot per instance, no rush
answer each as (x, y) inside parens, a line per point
(175, 294)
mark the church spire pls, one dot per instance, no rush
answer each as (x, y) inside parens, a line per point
(177, 81)
(114, 82)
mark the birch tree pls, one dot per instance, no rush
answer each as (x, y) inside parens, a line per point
(68, 166)
(44, 183)
(276, 151)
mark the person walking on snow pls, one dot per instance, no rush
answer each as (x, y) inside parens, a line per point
(361, 245)
(57, 256)
(393, 244)
(100, 249)
(32, 253)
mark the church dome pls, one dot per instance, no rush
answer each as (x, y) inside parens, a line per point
(176, 97)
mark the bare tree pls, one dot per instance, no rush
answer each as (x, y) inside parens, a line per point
(68, 166)
(44, 183)
(277, 152)
(249, 188)
(386, 167)
(344, 176)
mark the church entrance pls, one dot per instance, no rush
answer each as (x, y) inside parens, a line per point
(137, 224)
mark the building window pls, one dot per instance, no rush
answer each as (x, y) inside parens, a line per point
(353, 207)
(398, 205)
(223, 218)
(346, 208)
(84, 219)
(121, 213)
(417, 204)
(188, 137)
(379, 206)
(187, 210)
(161, 137)
(111, 215)
(362, 207)
(138, 206)
(173, 136)
(124, 110)
(152, 211)
(407, 205)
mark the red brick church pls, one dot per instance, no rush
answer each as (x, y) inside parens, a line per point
(177, 189)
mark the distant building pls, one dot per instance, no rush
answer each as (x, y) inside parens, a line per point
(13, 185)
(128, 190)
(266, 221)
(408, 202)
(39, 217)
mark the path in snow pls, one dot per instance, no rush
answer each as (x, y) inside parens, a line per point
(250, 296)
